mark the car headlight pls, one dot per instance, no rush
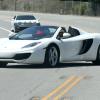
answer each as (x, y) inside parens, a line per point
(31, 45)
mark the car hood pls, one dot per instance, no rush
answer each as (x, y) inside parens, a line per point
(6, 44)
(25, 21)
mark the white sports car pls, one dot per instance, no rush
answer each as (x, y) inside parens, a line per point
(50, 45)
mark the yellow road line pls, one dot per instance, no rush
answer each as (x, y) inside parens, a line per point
(68, 88)
(70, 79)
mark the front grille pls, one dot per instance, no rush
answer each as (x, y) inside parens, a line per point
(28, 24)
(21, 56)
(25, 24)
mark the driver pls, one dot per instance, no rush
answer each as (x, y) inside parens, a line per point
(61, 33)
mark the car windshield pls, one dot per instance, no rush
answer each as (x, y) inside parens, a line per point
(25, 17)
(35, 33)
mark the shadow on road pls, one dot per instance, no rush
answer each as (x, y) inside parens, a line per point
(42, 66)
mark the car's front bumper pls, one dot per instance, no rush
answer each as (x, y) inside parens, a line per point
(28, 57)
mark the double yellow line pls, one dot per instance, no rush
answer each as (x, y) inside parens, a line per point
(60, 91)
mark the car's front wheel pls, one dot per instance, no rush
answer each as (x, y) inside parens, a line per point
(97, 61)
(52, 56)
(3, 64)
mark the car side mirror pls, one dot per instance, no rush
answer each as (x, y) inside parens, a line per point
(12, 19)
(66, 35)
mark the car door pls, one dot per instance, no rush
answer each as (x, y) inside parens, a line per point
(77, 46)
(70, 47)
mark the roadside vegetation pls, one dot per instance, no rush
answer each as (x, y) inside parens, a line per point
(76, 7)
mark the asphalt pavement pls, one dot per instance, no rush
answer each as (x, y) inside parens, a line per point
(69, 81)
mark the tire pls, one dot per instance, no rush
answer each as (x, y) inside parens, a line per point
(97, 61)
(15, 30)
(38, 24)
(3, 64)
(52, 56)
(12, 30)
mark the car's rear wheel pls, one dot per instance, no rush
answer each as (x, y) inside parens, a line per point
(52, 56)
(3, 64)
(97, 61)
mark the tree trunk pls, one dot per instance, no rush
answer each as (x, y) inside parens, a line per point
(94, 7)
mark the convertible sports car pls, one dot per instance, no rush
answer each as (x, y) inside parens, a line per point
(50, 45)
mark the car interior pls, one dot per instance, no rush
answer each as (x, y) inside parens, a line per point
(73, 31)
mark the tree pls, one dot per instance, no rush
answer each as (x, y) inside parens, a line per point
(76, 0)
(1, 3)
(94, 4)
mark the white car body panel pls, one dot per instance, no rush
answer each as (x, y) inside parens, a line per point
(24, 23)
(69, 48)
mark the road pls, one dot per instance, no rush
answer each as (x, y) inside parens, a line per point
(69, 81)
